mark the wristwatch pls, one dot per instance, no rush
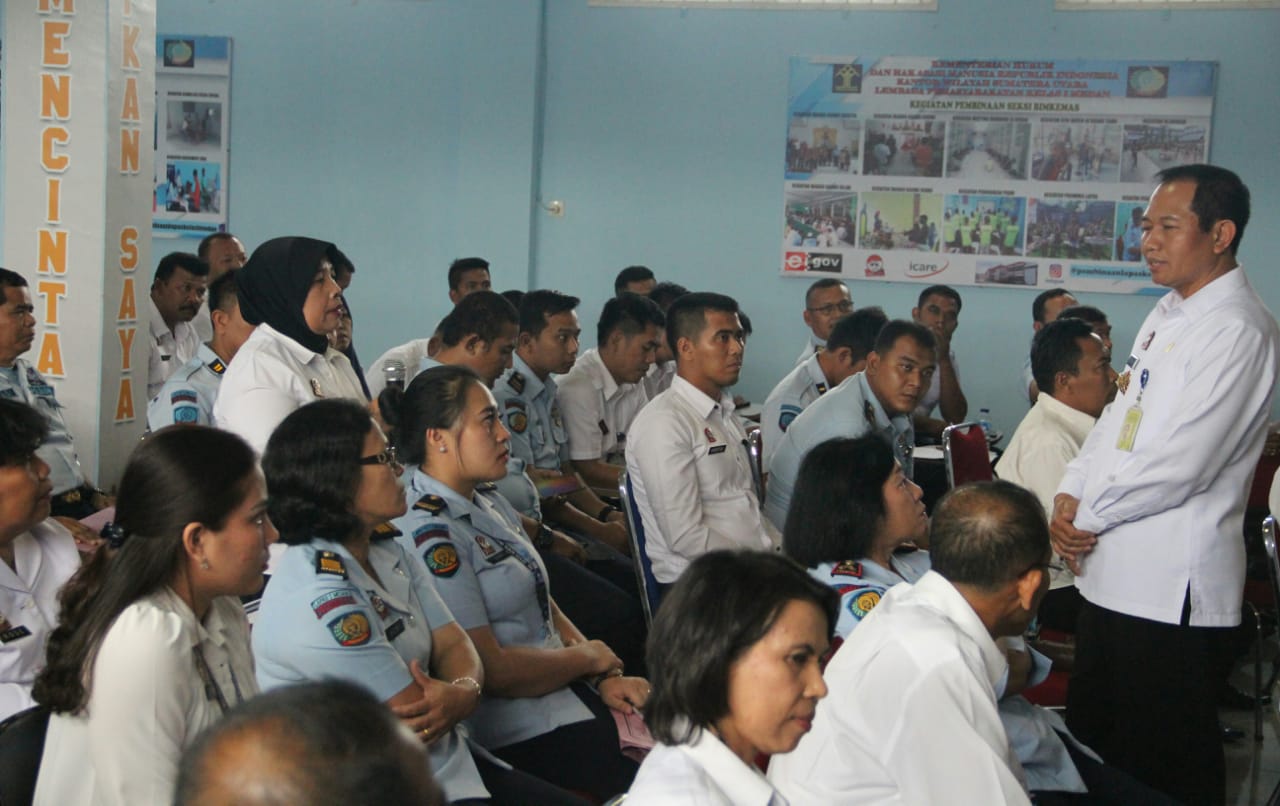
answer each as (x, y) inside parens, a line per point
(544, 538)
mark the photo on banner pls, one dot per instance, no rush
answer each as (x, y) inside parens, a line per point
(984, 171)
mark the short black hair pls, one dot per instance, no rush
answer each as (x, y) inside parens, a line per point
(1056, 348)
(539, 306)
(1090, 314)
(818, 285)
(631, 274)
(665, 293)
(745, 321)
(630, 314)
(940, 291)
(312, 467)
(310, 744)
(858, 331)
(987, 534)
(464, 264)
(435, 398)
(11, 279)
(720, 607)
(838, 503)
(890, 333)
(1220, 196)
(1042, 299)
(186, 261)
(22, 431)
(687, 315)
(480, 313)
(207, 242)
(223, 292)
(513, 295)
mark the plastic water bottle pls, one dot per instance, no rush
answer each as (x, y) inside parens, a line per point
(984, 420)
(394, 374)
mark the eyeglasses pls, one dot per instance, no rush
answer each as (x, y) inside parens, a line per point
(387, 457)
(836, 307)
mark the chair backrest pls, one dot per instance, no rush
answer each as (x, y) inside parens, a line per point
(1273, 558)
(964, 452)
(21, 746)
(755, 449)
(639, 557)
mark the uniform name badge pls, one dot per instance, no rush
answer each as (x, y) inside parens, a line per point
(1133, 417)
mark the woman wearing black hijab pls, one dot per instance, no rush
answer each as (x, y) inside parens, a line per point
(287, 290)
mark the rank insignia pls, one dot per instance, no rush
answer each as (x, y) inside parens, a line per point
(442, 560)
(328, 562)
(1122, 383)
(431, 503)
(847, 568)
(821, 387)
(217, 366)
(516, 382)
(432, 531)
(351, 629)
(379, 605)
(863, 603)
(315, 390)
(332, 601)
(385, 529)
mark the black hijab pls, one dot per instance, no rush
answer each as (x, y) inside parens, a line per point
(275, 282)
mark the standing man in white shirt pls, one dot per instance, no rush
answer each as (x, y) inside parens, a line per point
(176, 294)
(687, 458)
(938, 308)
(825, 302)
(1073, 367)
(604, 392)
(1149, 515)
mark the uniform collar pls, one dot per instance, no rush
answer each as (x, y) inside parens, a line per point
(740, 782)
(1075, 422)
(698, 400)
(899, 424)
(533, 385)
(301, 354)
(601, 377)
(813, 369)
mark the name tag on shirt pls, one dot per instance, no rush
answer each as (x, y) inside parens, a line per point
(714, 449)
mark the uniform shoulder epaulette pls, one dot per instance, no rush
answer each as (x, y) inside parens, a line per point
(328, 562)
(516, 382)
(847, 568)
(430, 503)
(217, 366)
(384, 530)
(822, 388)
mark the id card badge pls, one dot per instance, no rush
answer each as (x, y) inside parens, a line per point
(1133, 417)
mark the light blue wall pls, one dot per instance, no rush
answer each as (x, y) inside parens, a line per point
(405, 130)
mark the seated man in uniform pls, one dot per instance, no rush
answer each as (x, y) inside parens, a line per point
(223, 252)
(852, 339)
(176, 294)
(634, 280)
(188, 395)
(664, 365)
(825, 302)
(939, 310)
(687, 459)
(604, 392)
(73, 496)
(878, 400)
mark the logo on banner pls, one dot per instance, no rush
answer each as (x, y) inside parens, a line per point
(812, 261)
(875, 266)
(1055, 271)
(846, 78)
(794, 261)
(926, 268)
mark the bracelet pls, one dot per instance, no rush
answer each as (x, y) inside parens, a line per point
(614, 672)
(603, 515)
(471, 684)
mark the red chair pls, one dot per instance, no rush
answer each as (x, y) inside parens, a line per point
(964, 451)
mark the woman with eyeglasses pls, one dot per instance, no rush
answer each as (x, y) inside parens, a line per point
(152, 645)
(548, 689)
(287, 290)
(347, 601)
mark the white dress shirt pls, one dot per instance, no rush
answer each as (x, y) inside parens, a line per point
(691, 474)
(934, 393)
(45, 557)
(1047, 439)
(702, 772)
(411, 353)
(168, 350)
(271, 377)
(658, 379)
(598, 411)
(793, 394)
(1169, 512)
(148, 702)
(911, 714)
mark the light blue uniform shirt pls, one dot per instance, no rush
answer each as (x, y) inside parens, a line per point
(188, 394)
(793, 394)
(323, 616)
(489, 575)
(849, 410)
(22, 382)
(531, 413)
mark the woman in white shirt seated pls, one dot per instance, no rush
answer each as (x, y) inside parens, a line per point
(287, 290)
(735, 662)
(37, 555)
(152, 645)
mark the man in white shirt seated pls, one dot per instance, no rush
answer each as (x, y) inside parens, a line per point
(938, 309)
(687, 455)
(1097, 320)
(659, 377)
(852, 339)
(634, 280)
(176, 293)
(603, 392)
(466, 276)
(1045, 309)
(1072, 367)
(911, 716)
(825, 302)
(223, 252)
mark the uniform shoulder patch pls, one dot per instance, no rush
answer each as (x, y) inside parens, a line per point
(384, 530)
(517, 419)
(328, 562)
(351, 629)
(788, 413)
(516, 382)
(332, 601)
(442, 559)
(860, 604)
(186, 414)
(430, 531)
(848, 568)
(430, 503)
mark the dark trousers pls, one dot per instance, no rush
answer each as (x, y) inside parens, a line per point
(1143, 696)
(515, 788)
(1107, 786)
(582, 757)
(598, 607)
(1060, 609)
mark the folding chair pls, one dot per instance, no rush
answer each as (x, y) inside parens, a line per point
(639, 558)
(964, 451)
